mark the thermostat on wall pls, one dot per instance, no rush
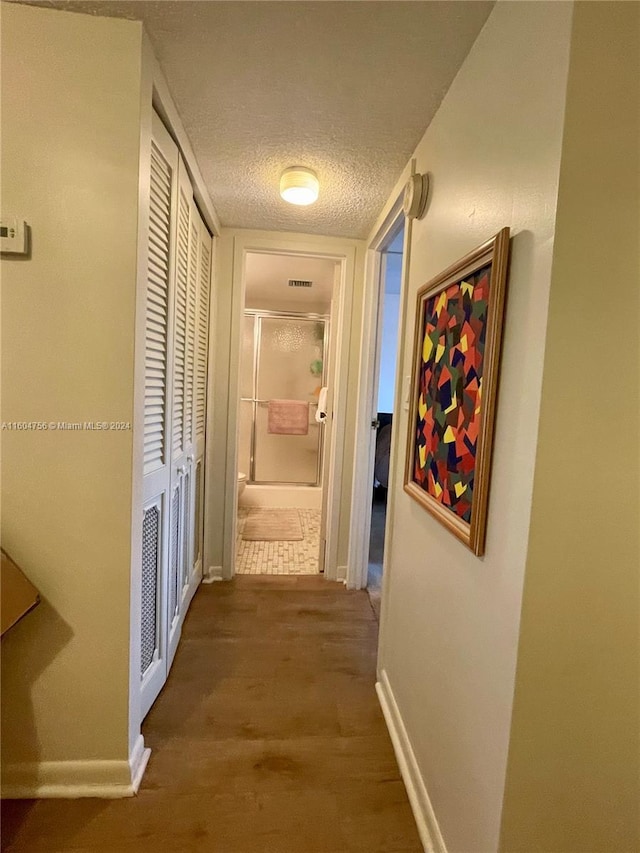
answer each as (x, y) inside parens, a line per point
(14, 236)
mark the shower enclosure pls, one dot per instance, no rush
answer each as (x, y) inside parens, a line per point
(283, 358)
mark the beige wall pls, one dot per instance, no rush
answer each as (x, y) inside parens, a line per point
(70, 145)
(226, 359)
(450, 621)
(572, 782)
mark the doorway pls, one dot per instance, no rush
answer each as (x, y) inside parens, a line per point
(386, 349)
(284, 398)
(387, 253)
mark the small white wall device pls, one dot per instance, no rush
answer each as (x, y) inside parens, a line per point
(416, 193)
(14, 234)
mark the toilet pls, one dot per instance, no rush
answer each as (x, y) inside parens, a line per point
(242, 482)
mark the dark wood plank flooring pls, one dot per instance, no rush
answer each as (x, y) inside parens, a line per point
(268, 738)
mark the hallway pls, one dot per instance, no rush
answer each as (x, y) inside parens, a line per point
(267, 737)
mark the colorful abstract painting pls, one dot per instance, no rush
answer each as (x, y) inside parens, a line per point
(449, 407)
(456, 361)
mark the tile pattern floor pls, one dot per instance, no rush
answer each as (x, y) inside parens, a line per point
(268, 738)
(280, 558)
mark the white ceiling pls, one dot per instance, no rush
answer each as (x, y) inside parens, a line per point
(346, 88)
(267, 283)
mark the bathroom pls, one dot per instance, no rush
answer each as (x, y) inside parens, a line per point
(285, 397)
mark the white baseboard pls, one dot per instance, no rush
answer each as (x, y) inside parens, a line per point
(428, 828)
(194, 582)
(72, 779)
(214, 574)
(138, 761)
(342, 573)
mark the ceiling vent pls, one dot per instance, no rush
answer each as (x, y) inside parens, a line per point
(298, 282)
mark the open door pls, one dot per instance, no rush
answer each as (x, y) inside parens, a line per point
(382, 409)
(329, 498)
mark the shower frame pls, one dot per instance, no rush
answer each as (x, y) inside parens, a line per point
(258, 315)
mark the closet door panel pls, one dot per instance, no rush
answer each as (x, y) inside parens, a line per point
(175, 553)
(150, 632)
(181, 446)
(202, 350)
(157, 316)
(189, 407)
(192, 295)
(180, 333)
(157, 412)
(179, 250)
(204, 279)
(198, 515)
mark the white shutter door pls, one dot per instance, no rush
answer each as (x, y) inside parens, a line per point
(157, 402)
(202, 357)
(175, 351)
(189, 403)
(202, 348)
(181, 447)
(192, 294)
(180, 334)
(157, 318)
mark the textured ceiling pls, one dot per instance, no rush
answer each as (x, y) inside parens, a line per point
(346, 88)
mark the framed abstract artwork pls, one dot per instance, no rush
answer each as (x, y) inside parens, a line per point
(457, 342)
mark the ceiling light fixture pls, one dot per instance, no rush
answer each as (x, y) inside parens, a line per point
(299, 185)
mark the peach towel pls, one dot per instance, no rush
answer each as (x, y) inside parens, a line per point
(288, 417)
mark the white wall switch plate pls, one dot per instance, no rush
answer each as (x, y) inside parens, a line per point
(14, 236)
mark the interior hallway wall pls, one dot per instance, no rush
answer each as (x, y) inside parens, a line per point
(70, 149)
(450, 621)
(226, 366)
(572, 781)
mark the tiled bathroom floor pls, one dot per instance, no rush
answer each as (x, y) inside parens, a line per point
(280, 558)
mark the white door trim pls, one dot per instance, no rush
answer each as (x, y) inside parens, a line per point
(345, 255)
(364, 456)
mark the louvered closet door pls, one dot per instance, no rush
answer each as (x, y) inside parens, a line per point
(200, 392)
(182, 416)
(157, 413)
(190, 398)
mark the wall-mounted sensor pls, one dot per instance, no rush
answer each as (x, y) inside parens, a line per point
(14, 235)
(416, 192)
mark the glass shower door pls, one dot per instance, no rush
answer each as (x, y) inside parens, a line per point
(289, 366)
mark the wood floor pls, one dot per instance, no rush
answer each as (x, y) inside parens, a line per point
(268, 738)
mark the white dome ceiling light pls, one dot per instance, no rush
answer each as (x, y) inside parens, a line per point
(299, 185)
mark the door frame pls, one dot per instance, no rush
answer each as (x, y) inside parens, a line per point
(345, 256)
(364, 457)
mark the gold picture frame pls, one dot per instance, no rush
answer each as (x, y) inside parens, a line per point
(457, 343)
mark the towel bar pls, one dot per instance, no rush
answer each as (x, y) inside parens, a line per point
(265, 402)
